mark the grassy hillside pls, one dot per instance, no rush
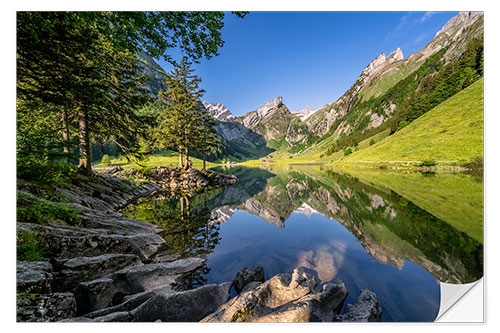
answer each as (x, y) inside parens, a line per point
(450, 133)
(456, 198)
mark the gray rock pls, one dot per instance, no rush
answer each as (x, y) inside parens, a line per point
(111, 289)
(76, 270)
(246, 275)
(187, 306)
(48, 307)
(366, 308)
(283, 298)
(34, 276)
(68, 242)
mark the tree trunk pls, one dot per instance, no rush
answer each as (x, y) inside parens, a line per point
(204, 158)
(65, 133)
(84, 141)
(186, 152)
(181, 160)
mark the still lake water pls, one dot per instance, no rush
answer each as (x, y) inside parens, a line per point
(336, 225)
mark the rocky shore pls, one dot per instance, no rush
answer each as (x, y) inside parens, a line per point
(175, 178)
(108, 268)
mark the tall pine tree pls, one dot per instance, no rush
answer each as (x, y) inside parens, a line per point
(186, 124)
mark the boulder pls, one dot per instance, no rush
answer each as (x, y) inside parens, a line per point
(186, 306)
(284, 298)
(366, 308)
(247, 275)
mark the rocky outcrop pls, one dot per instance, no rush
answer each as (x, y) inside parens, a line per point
(176, 178)
(252, 118)
(284, 298)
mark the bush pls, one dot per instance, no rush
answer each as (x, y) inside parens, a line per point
(372, 142)
(402, 124)
(43, 171)
(106, 160)
(427, 163)
(347, 150)
(28, 247)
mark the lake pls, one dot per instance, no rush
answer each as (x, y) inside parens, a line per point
(397, 234)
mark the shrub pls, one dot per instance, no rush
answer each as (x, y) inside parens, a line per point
(347, 150)
(28, 247)
(402, 124)
(43, 171)
(106, 160)
(321, 156)
(372, 142)
(427, 163)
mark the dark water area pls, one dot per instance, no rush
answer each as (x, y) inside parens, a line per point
(334, 225)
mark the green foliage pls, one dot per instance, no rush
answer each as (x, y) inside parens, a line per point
(41, 212)
(29, 248)
(402, 124)
(372, 142)
(427, 163)
(347, 150)
(106, 160)
(44, 172)
(185, 123)
(80, 70)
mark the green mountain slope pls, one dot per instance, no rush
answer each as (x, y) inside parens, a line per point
(451, 132)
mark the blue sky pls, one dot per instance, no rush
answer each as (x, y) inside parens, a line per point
(309, 58)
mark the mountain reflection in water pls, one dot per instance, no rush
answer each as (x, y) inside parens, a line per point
(335, 225)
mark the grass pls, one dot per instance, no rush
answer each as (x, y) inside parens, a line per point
(449, 134)
(165, 158)
(455, 198)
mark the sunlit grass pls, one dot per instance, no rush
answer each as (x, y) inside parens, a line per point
(165, 158)
(451, 133)
(456, 198)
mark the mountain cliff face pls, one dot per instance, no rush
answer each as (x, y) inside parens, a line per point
(384, 72)
(218, 111)
(304, 113)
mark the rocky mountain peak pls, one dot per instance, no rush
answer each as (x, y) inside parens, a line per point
(395, 55)
(253, 117)
(218, 111)
(304, 113)
(463, 19)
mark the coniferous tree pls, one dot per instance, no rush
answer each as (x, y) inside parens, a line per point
(82, 67)
(182, 113)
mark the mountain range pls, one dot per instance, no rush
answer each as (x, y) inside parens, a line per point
(390, 92)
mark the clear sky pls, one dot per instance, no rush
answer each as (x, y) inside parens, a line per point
(309, 58)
